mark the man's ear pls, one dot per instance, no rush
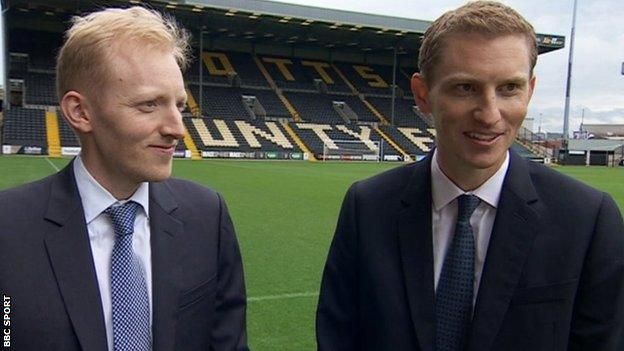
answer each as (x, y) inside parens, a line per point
(75, 111)
(531, 87)
(421, 93)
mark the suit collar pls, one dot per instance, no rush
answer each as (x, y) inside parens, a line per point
(71, 259)
(69, 252)
(95, 198)
(415, 244)
(514, 230)
(166, 231)
(443, 190)
(162, 196)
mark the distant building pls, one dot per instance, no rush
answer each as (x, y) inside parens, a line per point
(549, 136)
(598, 152)
(603, 131)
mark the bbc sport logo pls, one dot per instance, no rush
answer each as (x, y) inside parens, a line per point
(6, 321)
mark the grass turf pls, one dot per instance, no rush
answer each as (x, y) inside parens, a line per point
(284, 213)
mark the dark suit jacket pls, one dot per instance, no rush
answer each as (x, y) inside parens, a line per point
(47, 269)
(552, 280)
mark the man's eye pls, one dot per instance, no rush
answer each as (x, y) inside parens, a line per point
(148, 106)
(464, 88)
(511, 87)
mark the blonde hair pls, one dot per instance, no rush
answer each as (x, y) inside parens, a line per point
(83, 60)
(482, 17)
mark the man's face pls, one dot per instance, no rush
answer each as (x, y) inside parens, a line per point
(478, 95)
(136, 120)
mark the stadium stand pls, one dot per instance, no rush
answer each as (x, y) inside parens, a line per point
(413, 140)
(218, 137)
(373, 79)
(316, 135)
(25, 127)
(404, 111)
(272, 86)
(40, 89)
(68, 137)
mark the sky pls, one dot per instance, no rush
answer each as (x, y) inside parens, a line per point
(597, 82)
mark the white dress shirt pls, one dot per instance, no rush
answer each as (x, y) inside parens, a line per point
(444, 216)
(95, 199)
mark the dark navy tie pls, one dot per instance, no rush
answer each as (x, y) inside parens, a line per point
(130, 304)
(454, 295)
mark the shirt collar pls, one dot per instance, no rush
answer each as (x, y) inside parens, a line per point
(443, 190)
(95, 199)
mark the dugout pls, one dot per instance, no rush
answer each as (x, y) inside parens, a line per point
(593, 152)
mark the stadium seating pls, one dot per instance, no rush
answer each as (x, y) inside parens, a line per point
(227, 102)
(521, 150)
(218, 65)
(239, 135)
(314, 106)
(315, 135)
(413, 140)
(41, 89)
(373, 79)
(241, 112)
(404, 114)
(24, 126)
(68, 137)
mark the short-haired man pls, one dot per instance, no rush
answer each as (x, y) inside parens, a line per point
(474, 248)
(110, 254)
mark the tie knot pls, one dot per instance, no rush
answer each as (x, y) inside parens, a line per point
(123, 217)
(466, 204)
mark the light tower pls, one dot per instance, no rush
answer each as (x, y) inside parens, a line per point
(566, 113)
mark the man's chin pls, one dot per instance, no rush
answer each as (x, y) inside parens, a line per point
(158, 175)
(485, 161)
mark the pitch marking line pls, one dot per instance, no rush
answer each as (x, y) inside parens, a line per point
(52, 164)
(282, 296)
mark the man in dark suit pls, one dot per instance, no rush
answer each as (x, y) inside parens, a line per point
(110, 254)
(474, 248)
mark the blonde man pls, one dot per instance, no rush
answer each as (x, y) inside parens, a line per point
(109, 253)
(474, 248)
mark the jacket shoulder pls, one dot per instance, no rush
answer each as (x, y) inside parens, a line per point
(563, 194)
(29, 195)
(192, 193)
(386, 185)
(546, 178)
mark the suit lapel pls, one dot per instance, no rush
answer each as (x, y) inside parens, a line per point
(415, 242)
(69, 252)
(514, 229)
(165, 233)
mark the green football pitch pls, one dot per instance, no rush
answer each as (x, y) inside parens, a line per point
(285, 213)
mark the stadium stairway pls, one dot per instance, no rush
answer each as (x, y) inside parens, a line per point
(283, 99)
(525, 139)
(190, 145)
(406, 157)
(375, 112)
(192, 103)
(298, 141)
(188, 140)
(52, 133)
(382, 119)
(344, 78)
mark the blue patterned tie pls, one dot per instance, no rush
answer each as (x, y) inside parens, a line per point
(455, 288)
(131, 315)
